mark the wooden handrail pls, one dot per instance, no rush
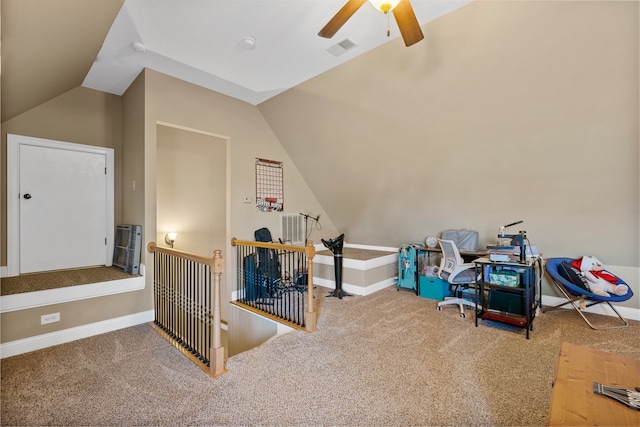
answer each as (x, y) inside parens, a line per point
(309, 250)
(153, 247)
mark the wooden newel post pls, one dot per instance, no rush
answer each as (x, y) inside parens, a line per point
(311, 316)
(217, 350)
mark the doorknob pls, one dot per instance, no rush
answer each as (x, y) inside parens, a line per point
(27, 196)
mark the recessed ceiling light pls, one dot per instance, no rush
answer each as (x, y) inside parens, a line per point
(139, 47)
(249, 42)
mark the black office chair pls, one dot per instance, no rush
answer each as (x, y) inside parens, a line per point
(459, 274)
(268, 269)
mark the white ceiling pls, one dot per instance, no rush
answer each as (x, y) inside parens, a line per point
(201, 41)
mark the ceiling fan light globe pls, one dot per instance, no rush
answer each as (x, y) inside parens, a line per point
(384, 6)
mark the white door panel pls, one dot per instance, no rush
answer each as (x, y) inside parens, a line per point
(62, 208)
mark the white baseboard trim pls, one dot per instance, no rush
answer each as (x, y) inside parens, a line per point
(363, 265)
(629, 313)
(371, 247)
(325, 283)
(72, 293)
(320, 247)
(38, 342)
(355, 264)
(379, 286)
(354, 289)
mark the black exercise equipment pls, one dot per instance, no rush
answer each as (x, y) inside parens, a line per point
(335, 246)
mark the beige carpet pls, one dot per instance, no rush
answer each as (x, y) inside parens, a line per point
(59, 279)
(387, 359)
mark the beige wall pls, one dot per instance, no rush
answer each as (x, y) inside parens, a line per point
(506, 111)
(191, 190)
(133, 154)
(176, 103)
(81, 116)
(22, 324)
(94, 118)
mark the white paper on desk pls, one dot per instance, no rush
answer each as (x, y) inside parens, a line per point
(530, 251)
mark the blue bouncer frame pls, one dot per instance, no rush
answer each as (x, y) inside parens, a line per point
(578, 297)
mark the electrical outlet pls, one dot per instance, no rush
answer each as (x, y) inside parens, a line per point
(49, 318)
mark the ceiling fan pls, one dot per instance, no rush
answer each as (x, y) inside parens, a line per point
(402, 11)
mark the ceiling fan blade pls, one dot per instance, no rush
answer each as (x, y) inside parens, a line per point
(340, 18)
(407, 23)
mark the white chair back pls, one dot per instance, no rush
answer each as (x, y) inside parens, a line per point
(451, 258)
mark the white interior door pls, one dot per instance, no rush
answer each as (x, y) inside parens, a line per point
(62, 207)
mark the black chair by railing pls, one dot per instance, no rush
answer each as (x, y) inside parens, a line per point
(276, 280)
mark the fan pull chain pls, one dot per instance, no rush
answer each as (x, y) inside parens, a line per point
(388, 29)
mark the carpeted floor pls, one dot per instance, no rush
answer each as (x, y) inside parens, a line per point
(59, 279)
(387, 359)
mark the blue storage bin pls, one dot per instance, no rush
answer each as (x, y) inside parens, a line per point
(434, 288)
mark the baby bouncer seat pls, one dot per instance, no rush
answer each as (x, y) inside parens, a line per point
(581, 298)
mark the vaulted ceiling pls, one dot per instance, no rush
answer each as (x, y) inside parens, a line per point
(247, 49)
(494, 86)
(39, 65)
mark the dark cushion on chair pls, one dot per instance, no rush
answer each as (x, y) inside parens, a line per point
(552, 266)
(465, 277)
(573, 275)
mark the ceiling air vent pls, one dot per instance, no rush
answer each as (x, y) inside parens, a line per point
(342, 47)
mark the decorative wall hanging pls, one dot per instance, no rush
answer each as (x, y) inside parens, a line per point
(269, 186)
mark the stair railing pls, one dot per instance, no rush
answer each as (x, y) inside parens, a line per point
(276, 280)
(186, 291)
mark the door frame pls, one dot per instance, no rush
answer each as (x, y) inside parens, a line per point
(227, 280)
(13, 192)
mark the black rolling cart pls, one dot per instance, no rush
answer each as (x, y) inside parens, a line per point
(508, 292)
